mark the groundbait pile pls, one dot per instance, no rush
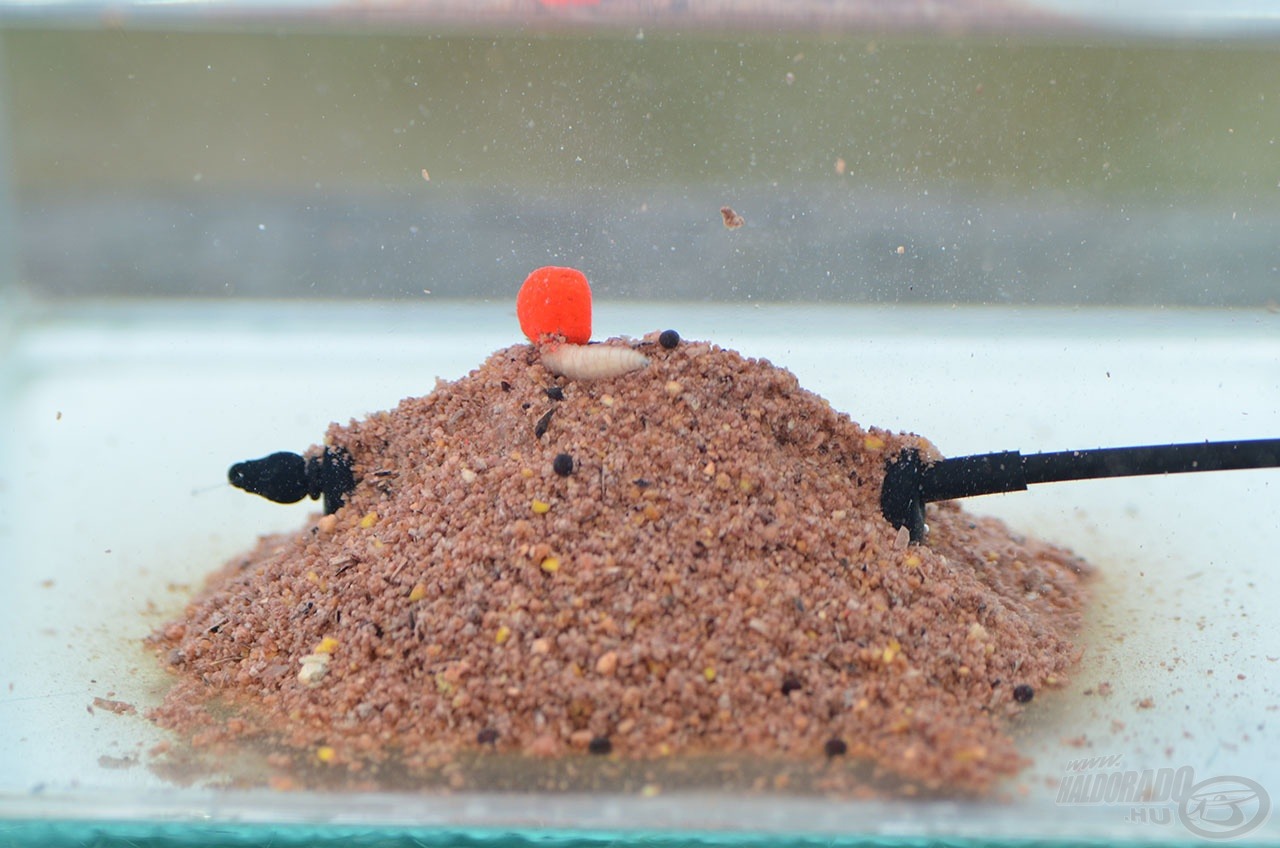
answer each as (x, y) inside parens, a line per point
(683, 560)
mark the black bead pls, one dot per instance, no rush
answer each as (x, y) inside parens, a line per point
(791, 683)
(669, 339)
(599, 745)
(1022, 693)
(562, 464)
(835, 748)
(488, 736)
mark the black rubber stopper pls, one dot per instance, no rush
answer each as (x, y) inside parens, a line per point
(286, 477)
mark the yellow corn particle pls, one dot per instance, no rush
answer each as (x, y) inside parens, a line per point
(418, 592)
(873, 442)
(325, 754)
(891, 651)
(975, 752)
(912, 561)
(503, 634)
(551, 565)
(540, 507)
(327, 646)
(709, 673)
(369, 520)
(526, 473)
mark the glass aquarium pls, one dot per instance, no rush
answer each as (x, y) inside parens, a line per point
(1022, 225)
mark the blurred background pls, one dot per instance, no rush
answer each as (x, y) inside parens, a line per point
(1070, 152)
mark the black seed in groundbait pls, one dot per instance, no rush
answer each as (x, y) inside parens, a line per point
(562, 464)
(599, 745)
(488, 736)
(1022, 693)
(835, 748)
(669, 339)
(554, 392)
(791, 683)
(540, 429)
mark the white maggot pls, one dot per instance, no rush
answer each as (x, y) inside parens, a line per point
(591, 362)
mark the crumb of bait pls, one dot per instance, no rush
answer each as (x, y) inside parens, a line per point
(714, 578)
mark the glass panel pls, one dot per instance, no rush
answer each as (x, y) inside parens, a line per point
(1037, 228)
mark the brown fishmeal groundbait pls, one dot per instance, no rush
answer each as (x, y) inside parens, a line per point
(712, 578)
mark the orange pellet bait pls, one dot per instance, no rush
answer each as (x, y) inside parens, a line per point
(555, 301)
